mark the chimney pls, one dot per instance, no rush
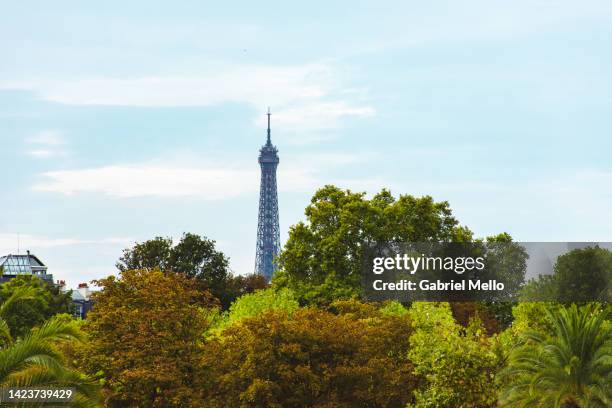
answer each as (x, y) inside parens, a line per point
(83, 289)
(61, 284)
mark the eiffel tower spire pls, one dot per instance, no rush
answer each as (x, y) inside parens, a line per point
(269, 140)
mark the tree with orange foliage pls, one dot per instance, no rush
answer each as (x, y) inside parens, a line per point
(144, 330)
(356, 356)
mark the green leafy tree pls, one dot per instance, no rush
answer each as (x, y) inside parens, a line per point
(571, 369)
(533, 316)
(145, 330)
(35, 360)
(256, 303)
(581, 275)
(456, 365)
(193, 256)
(544, 288)
(393, 308)
(356, 357)
(507, 262)
(46, 301)
(321, 260)
(150, 254)
(584, 275)
(239, 285)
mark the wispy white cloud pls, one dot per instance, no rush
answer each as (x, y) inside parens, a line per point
(47, 138)
(46, 144)
(280, 85)
(41, 153)
(147, 180)
(214, 182)
(316, 116)
(9, 242)
(306, 97)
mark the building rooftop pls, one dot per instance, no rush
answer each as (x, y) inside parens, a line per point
(23, 264)
(76, 295)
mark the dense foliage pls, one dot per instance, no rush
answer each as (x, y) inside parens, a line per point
(321, 260)
(46, 300)
(312, 358)
(456, 365)
(239, 285)
(35, 358)
(570, 368)
(193, 256)
(580, 275)
(254, 304)
(144, 332)
(176, 329)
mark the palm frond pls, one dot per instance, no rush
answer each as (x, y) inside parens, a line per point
(5, 333)
(55, 330)
(20, 293)
(574, 365)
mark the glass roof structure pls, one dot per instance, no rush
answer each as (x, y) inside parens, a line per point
(22, 265)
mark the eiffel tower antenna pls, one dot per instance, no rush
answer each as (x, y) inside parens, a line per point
(269, 141)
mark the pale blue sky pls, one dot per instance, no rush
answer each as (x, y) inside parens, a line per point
(120, 121)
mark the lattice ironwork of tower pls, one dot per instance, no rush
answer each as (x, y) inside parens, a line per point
(268, 231)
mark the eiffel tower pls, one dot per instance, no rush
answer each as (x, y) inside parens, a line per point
(268, 231)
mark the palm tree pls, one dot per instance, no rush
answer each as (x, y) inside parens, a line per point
(35, 361)
(571, 369)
